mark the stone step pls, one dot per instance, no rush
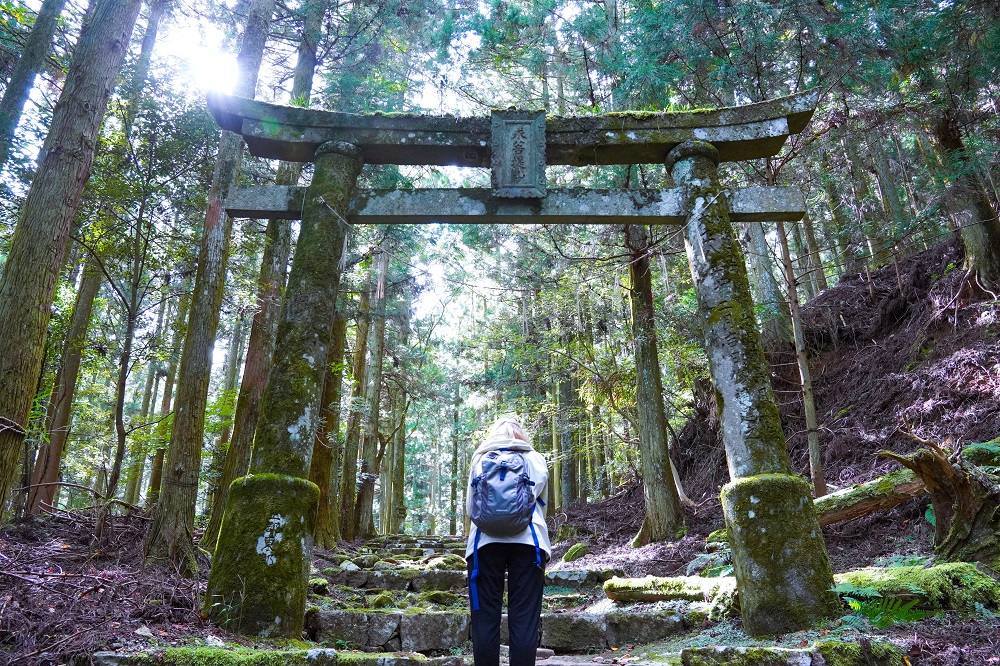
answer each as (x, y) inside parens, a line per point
(414, 580)
(831, 652)
(577, 579)
(417, 580)
(415, 551)
(392, 630)
(227, 656)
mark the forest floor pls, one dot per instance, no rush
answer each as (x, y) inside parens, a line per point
(902, 348)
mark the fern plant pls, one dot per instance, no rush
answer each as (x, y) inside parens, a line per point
(879, 611)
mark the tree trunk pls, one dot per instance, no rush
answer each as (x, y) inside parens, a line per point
(349, 483)
(456, 474)
(46, 471)
(397, 495)
(846, 236)
(260, 350)
(569, 433)
(887, 185)
(869, 215)
(808, 401)
(328, 453)
(22, 79)
(151, 390)
(234, 361)
(364, 522)
(981, 226)
(155, 478)
(772, 310)
(815, 263)
(38, 246)
(664, 518)
(172, 532)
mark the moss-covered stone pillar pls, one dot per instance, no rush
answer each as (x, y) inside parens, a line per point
(260, 571)
(782, 569)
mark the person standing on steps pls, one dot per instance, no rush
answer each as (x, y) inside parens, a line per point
(507, 480)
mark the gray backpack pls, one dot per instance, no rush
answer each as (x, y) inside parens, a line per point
(502, 498)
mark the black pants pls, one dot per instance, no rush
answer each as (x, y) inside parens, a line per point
(525, 580)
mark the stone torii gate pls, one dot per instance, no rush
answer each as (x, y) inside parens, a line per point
(260, 570)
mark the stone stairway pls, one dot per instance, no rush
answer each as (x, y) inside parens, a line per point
(411, 594)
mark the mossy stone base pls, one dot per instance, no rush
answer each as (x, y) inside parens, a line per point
(260, 571)
(783, 572)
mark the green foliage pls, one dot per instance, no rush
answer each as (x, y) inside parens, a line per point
(881, 612)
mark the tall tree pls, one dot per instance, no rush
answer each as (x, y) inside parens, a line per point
(327, 461)
(352, 435)
(171, 538)
(270, 282)
(364, 512)
(664, 517)
(31, 62)
(39, 243)
(46, 471)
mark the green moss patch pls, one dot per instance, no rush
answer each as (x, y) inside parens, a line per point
(959, 586)
(655, 588)
(441, 597)
(828, 653)
(239, 656)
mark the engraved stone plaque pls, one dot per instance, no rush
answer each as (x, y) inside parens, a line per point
(518, 145)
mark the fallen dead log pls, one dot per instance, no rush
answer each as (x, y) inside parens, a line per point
(882, 493)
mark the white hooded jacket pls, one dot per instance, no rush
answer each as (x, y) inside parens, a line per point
(538, 472)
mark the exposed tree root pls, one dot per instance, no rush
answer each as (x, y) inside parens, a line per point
(966, 504)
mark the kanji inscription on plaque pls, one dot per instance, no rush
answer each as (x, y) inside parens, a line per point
(518, 147)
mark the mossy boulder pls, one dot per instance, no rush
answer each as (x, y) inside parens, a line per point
(782, 570)
(655, 588)
(446, 562)
(433, 631)
(260, 573)
(440, 597)
(566, 532)
(580, 578)
(365, 561)
(717, 540)
(382, 600)
(438, 580)
(319, 585)
(959, 586)
(394, 579)
(575, 552)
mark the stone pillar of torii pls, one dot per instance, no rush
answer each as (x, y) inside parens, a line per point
(260, 571)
